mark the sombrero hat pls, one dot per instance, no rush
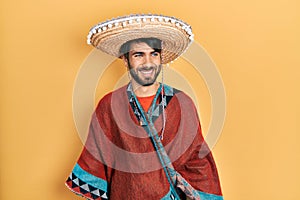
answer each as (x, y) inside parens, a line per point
(176, 35)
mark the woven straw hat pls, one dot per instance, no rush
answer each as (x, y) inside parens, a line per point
(176, 35)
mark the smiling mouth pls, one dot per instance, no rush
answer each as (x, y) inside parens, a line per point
(146, 72)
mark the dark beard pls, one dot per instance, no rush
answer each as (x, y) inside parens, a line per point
(147, 81)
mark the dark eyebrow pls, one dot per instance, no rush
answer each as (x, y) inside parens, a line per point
(138, 52)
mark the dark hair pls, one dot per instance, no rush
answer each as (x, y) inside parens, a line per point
(154, 43)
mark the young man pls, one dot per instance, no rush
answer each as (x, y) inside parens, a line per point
(145, 139)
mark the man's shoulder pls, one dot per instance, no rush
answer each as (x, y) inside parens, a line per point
(115, 94)
(172, 91)
(181, 97)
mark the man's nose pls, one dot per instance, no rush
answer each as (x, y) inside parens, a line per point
(148, 60)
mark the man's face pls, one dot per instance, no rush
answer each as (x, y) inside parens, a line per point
(144, 64)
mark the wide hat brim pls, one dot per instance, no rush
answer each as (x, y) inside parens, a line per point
(176, 35)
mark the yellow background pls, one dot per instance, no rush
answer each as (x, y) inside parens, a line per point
(255, 45)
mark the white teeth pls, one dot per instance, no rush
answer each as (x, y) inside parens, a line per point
(146, 71)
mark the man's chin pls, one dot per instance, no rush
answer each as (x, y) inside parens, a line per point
(148, 84)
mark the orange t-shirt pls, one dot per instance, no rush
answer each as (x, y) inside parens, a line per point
(146, 102)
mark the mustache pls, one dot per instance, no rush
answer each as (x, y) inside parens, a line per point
(141, 68)
(146, 68)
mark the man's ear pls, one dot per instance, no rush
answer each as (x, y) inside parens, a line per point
(125, 61)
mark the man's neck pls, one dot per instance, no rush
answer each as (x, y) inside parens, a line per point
(144, 91)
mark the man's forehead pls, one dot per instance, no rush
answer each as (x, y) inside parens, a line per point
(141, 47)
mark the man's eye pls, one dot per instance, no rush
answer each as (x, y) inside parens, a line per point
(137, 55)
(155, 54)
